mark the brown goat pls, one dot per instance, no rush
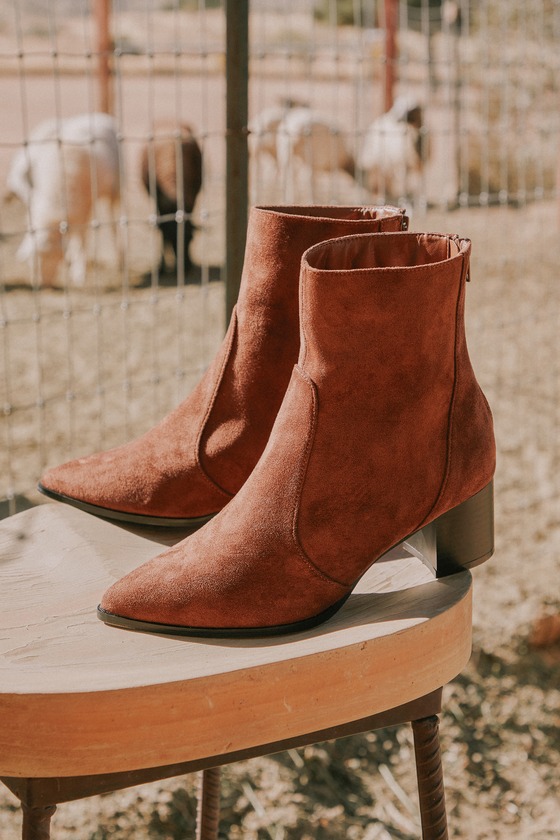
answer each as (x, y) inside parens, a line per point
(171, 170)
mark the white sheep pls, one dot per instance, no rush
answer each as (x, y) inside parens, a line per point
(66, 166)
(263, 130)
(303, 144)
(392, 157)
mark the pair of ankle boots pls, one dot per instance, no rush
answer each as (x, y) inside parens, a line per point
(340, 416)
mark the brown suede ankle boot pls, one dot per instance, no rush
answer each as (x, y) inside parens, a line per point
(383, 430)
(185, 469)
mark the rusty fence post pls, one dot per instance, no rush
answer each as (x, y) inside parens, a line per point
(102, 12)
(391, 10)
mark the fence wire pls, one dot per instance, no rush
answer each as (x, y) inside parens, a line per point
(88, 366)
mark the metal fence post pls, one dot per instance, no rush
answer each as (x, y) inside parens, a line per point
(237, 151)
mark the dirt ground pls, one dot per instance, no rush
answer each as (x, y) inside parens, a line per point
(91, 367)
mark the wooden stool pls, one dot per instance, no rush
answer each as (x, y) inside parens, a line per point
(86, 708)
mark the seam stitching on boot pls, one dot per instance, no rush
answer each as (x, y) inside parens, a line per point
(301, 479)
(210, 481)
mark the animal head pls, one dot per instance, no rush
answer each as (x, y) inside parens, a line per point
(408, 110)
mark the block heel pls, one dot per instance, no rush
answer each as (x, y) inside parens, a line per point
(459, 539)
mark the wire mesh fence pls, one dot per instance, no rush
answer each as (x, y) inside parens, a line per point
(342, 110)
(84, 366)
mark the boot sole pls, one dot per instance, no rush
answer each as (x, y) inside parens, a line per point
(220, 632)
(460, 539)
(123, 516)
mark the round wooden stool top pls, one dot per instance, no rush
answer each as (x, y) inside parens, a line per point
(78, 697)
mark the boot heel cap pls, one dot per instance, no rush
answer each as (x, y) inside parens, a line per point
(465, 534)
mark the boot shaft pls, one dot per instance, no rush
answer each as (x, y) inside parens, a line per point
(402, 429)
(386, 304)
(277, 237)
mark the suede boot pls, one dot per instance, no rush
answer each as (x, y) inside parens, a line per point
(185, 469)
(383, 430)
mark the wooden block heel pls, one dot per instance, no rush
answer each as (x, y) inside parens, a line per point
(459, 539)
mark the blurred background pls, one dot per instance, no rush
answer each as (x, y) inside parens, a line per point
(120, 254)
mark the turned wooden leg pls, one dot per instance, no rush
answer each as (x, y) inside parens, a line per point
(36, 822)
(430, 778)
(208, 814)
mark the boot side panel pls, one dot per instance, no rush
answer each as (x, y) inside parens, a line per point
(265, 350)
(267, 341)
(471, 460)
(382, 356)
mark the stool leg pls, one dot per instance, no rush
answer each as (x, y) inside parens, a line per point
(36, 822)
(430, 778)
(208, 813)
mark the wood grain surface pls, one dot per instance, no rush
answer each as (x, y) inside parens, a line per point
(79, 697)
